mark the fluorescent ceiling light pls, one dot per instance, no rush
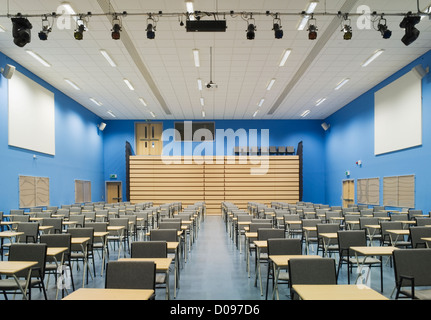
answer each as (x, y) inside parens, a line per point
(203, 114)
(305, 113)
(200, 84)
(152, 114)
(271, 83)
(38, 58)
(342, 83)
(111, 114)
(2, 29)
(202, 102)
(196, 58)
(261, 102)
(96, 102)
(310, 9)
(72, 84)
(108, 58)
(127, 82)
(143, 101)
(320, 101)
(255, 113)
(373, 57)
(286, 55)
(190, 9)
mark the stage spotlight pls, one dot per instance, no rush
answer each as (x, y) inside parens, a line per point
(383, 28)
(151, 34)
(312, 29)
(251, 31)
(278, 33)
(46, 29)
(347, 32)
(412, 33)
(21, 31)
(116, 29)
(79, 33)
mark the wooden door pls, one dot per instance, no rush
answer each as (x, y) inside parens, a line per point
(113, 192)
(149, 139)
(348, 192)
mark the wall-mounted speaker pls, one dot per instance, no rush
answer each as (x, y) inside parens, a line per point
(7, 71)
(102, 126)
(325, 126)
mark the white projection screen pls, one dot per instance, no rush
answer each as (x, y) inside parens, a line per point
(31, 115)
(398, 115)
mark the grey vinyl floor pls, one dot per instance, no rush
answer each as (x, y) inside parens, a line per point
(215, 270)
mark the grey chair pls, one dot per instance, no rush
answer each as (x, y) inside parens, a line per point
(416, 235)
(292, 246)
(386, 238)
(422, 221)
(98, 242)
(80, 253)
(16, 212)
(56, 223)
(58, 241)
(353, 238)
(372, 233)
(27, 252)
(30, 230)
(79, 220)
(311, 271)
(115, 237)
(131, 275)
(309, 237)
(331, 245)
(412, 273)
(292, 230)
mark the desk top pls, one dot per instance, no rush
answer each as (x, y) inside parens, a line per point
(337, 292)
(329, 235)
(109, 294)
(53, 251)
(401, 232)
(79, 240)
(162, 264)
(374, 251)
(10, 234)
(283, 260)
(261, 243)
(12, 267)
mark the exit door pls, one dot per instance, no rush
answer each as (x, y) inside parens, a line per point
(149, 139)
(113, 192)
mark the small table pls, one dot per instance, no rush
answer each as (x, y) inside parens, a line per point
(367, 251)
(326, 239)
(82, 241)
(110, 294)
(337, 292)
(397, 234)
(11, 268)
(53, 252)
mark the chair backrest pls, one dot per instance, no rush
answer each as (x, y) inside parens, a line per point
(389, 225)
(29, 252)
(119, 222)
(169, 235)
(312, 271)
(291, 246)
(130, 275)
(399, 217)
(254, 226)
(269, 233)
(364, 221)
(97, 226)
(378, 208)
(170, 225)
(79, 219)
(351, 238)
(31, 232)
(58, 241)
(56, 223)
(43, 214)
(149, 249)
(327, 228)
(20, 218)
(380, 214)
(414, 263)
(16, 211)
(423, 221)
(81, 233)
(416, 235)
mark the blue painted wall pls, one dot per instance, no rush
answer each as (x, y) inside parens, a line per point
(351, 138)
(79, 150)
(281, 133)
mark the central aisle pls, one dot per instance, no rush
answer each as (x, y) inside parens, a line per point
(215, 270)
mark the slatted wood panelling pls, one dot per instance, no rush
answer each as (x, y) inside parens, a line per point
(235, 179)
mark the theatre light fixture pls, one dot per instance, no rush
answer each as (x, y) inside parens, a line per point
(278, 33)
(383, 28)
(21, 31)
(411, 33)
(312, 29)
(251, 28)
(116, 28)
(46, 29)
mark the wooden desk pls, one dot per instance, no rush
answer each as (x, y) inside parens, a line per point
(371, 252)
(307, 231)
(11, 268)
(162, 265)
(375, 228)
(109, 294)
(53, 252)
(248, 237)
(120, 234)
(104, 236)
(397, 234)
(82, 241)
(282, 262)
(337, 292)
(326, 239)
